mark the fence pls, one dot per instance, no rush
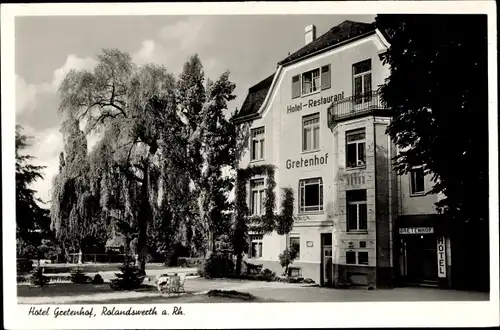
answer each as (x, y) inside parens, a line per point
(96, 258)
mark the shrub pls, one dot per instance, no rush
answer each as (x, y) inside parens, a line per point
(218, 265)
(286, 258)
(37, 278)
(97, 279)
(267, 275)
(175, 252)
(24, 265)
(190, 262)
(78, 276)
(130, 278)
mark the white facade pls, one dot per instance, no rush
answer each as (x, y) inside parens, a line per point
(283, 118)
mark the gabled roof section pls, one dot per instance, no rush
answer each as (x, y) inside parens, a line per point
(255, 97)
(340, 33)
(344, 32)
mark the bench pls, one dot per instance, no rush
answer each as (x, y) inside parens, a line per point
(294, 272)
(253, 269)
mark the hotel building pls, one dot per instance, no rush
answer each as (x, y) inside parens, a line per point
(320, 121)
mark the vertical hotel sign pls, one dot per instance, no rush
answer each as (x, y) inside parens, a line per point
(441, 256)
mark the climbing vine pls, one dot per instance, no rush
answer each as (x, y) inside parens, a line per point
(269, 221)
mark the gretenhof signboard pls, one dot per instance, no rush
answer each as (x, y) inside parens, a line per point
(416, 230)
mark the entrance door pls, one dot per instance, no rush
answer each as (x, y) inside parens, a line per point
(421, 258)
(327, 265)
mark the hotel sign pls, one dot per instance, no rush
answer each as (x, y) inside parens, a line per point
(314, 102)
(441, 257)
(416, 230)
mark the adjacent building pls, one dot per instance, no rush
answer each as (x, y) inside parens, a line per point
(320, 120)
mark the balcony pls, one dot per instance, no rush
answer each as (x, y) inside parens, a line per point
(355, 107)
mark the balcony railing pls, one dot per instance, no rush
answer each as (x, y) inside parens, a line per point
(356, 106)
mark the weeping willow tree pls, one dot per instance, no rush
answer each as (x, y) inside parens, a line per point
(134, 109)
(75, 211)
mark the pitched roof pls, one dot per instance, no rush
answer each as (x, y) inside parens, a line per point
(255, 97)
(342, 32)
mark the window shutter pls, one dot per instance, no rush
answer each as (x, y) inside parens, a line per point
(326, 77)
(295, 86)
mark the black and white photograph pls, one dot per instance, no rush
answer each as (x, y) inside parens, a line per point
(218, 160)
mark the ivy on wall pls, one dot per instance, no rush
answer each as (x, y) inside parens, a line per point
(269, 221)
(266, 223)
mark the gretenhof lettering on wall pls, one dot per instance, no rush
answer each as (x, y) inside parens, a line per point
(306, 162)
(314, 102)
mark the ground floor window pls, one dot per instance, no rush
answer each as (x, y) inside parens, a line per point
(356, 257)
(295, 244)
(255, 246)
(356, 210)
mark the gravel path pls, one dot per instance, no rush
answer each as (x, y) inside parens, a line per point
(68, 293)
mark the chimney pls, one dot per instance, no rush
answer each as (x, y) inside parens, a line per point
(310, 33)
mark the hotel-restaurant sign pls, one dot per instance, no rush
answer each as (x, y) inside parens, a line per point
(314, 102)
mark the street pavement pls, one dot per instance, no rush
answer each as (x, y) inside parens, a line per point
(264, 291)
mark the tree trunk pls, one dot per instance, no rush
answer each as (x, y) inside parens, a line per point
(80, 254)
(239, 258)
(144, 218)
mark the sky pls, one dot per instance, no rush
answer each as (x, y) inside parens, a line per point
(46, 48)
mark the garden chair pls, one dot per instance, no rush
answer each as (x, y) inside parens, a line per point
(177, 283)
(182, 280)
(163, 283)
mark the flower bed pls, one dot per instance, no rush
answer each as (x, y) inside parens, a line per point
(230, 294)
(52, 278)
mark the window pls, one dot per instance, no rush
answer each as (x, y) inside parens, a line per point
(362, 81)
(350, 258)
(310, 132)
(356, 210)
(255, 246)
(417, 180)
(363, 258)
(311, 81)
(311, 195)
(362, 244)
(257, 147)
(295, 244)
(257, 196)
(356, 146)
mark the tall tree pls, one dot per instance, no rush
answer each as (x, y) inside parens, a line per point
(135, 109)
(218, 136)
(211, 147)
(30, 217)
(438, 90)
